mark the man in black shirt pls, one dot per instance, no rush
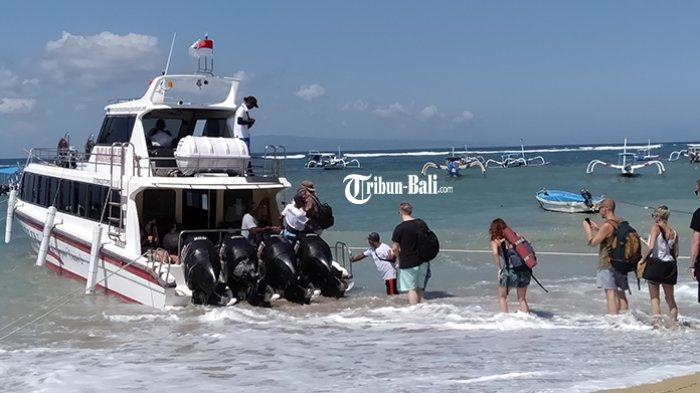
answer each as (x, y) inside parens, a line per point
(695, 240)
(413, 273)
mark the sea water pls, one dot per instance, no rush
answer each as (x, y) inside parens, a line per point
(455, 341)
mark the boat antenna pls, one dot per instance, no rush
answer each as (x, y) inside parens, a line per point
(170, 55)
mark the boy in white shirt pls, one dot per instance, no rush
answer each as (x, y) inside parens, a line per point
(384, 259)
(294, 218)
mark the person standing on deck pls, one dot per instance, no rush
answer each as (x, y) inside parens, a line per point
(613, 282)
(243, 122)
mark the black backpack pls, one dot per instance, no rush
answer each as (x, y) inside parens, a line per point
(324, 214)
(428, 243)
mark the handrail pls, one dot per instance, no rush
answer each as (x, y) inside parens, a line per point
(220, 232)
(341, 257)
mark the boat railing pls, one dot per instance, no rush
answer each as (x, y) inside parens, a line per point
(208, 233)
(155, 260)
(341, 254)
(114, 160)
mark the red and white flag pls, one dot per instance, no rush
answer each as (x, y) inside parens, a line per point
(201, 48)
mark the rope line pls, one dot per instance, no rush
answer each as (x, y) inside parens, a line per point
(652, 207)
(63, 300)
(553, 253)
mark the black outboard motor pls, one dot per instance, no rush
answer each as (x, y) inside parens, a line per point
(316, 262)
(239, 264)
(201, 269)
(280, 269)
(587, 197)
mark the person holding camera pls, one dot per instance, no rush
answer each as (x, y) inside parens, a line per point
(608, 278)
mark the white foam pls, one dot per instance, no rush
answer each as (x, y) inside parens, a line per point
(500, 377)
(514, 150)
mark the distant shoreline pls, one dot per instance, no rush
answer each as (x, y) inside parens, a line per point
(684, 384)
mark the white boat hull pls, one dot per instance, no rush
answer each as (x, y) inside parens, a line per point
(69, 256)
(567, 207)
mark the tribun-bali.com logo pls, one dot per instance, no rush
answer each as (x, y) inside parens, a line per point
(360, 188)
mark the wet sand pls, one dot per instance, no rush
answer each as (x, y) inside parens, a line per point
(685, 384)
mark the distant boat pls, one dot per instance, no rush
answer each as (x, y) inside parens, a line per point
(328, 161)
(625, 164)
(568, 202)
(645, 154)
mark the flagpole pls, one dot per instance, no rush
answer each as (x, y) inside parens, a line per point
(167, 65)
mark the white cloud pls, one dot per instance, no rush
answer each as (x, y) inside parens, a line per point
(357, 105)
(241, 76)
(33, 82)
(428, 112)
(392, 110)
(11, 106)
(96, 58)
(464, 117)
(80, 107)
(8, 79)
(309, 92)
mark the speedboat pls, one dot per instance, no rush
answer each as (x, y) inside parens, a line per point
(625, 164)
(568, 202)
(86, 212)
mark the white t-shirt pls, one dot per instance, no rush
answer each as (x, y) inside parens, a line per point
(294, 217)
(248, 222)
(160, 138)
(241, 130)
(381, 255)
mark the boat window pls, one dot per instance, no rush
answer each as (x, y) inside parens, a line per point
(199, 209)
(38, 190)
(64, 201)
(25, 191)
(96, 199)
(80, 201)
(235, 202)
(182, 123)
(52, 190)
(116, 129)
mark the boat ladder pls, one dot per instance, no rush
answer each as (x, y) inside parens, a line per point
(115, 201)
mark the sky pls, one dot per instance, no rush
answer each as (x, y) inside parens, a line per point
(485, 73)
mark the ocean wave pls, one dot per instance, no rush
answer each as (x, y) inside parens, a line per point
(501, 377)
(514, 150)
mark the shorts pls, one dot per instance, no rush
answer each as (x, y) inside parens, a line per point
(414, 277)
(611, 279)
(391, 288)
(514, 278)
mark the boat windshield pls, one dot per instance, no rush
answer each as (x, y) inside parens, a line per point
(185, 122)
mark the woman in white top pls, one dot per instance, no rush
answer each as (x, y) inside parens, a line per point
(663, 245)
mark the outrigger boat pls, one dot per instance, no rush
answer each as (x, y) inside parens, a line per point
(645, 154)
(454, 164)
(516, 160)
(568, 202)
(692, 152)
(318, 160)
(160, 225)
(625, 164)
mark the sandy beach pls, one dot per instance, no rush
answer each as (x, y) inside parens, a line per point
(685, 384)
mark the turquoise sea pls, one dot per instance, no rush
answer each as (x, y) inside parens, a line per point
(456, 341)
